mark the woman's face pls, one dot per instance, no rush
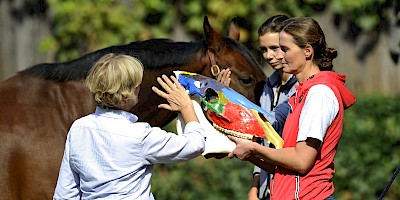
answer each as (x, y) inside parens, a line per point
(269, 46)
(292, 56)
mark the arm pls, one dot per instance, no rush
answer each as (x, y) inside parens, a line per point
(253, 193)
(300, 158)
(280, 112)
(68, 180)
(318, 112)
(161, 146)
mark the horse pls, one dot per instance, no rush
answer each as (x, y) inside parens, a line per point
(40, 103)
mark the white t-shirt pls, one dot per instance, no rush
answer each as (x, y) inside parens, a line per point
(320, 109)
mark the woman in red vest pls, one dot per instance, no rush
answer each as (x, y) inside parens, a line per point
(304, 167)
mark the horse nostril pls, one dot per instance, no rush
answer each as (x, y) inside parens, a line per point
(246, 80)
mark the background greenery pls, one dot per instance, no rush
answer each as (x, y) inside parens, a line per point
(370, 147)
(83, 26)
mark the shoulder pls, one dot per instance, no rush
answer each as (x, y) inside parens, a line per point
(321, 89)
(83, 120)
(321, 94)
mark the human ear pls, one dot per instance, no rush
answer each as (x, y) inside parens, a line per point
(308, 51)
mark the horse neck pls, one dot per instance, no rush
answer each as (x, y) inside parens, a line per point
(184, 56)
(200, 62)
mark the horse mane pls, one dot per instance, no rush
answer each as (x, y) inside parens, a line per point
(153, 53)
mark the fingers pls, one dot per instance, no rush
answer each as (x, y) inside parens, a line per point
(159, 92)
(166, 83)
(231, 155)
(233, 138)
(224, 77)
(165, 106)
(176, 82)
(174, 93)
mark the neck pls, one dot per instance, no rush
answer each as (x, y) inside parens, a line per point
(307, 73)
(284, 76)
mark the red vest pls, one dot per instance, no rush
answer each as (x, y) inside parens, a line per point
(317, 183)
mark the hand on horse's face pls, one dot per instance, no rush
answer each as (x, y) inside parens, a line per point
(175, 94)
(224, 77)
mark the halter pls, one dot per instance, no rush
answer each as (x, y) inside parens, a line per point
(214, 67)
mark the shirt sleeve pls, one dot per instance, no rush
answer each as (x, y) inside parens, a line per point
(320, 109)
(280, 112)
(164, 147)
(68, 181)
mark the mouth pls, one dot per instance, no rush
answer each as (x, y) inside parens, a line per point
(277, 65)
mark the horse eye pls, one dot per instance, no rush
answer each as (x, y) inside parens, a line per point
(247, 80)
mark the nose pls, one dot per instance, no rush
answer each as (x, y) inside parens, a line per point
(279, 54)
(268, 55)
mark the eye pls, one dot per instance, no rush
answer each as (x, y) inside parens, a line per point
(263, 49)
(284, 49)
(246, 80)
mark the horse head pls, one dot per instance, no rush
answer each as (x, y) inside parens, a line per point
(247, 77)
(206, 57)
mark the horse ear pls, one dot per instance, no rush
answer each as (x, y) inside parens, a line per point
(233, 29)
(213, 40)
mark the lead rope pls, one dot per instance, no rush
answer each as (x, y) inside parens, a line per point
(390, 182)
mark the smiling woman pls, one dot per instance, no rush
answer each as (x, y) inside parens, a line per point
(40, 103)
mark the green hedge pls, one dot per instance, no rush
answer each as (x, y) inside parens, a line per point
(369, 150)
(368, 154)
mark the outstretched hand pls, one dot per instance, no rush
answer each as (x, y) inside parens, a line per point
(224, 77)
(175, 94)
(244, 148)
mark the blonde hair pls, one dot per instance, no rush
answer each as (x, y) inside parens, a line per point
(113, 79)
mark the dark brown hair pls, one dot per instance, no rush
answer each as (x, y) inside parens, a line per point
(306, 31)
(272, 24)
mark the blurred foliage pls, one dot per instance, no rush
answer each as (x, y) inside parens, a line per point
(201, 178)
(80, 27)
(369, 150)
(367, 156)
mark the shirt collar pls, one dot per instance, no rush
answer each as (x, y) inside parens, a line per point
(116, 114)
(275, 78)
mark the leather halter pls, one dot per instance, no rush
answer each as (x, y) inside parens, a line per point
(214, 67)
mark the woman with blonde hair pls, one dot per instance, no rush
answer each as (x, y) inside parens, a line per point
(109, 154)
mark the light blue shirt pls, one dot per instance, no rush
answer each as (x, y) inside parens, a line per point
(109, 155)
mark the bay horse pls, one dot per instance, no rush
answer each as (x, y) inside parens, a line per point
(39, 104)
